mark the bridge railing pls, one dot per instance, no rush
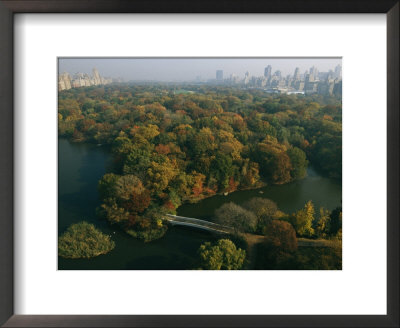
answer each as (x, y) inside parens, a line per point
(199, 222)
(198, 226)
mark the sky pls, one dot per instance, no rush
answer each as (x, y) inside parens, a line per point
(188, 69)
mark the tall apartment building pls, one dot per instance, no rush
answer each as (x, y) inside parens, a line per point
(65, 82)
(268, 71)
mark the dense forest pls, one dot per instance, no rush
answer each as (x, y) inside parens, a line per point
(176, 144)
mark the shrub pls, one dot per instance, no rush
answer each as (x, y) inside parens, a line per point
(83, 240)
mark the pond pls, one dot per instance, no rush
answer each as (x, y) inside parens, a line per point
(82, 165)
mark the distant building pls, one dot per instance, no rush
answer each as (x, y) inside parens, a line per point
(296, 92)
(296, 75)
(310, 85)
(278, 74)
(299, 85)
(234, 79)
(313, 74)
(311, 82)
(246, 78)
(96, 77)
(326, 88)
(338, 71)
(337, 89)
(220, 75)
(65, 82)
(268, 71)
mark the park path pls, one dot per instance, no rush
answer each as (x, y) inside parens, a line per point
(252, 242)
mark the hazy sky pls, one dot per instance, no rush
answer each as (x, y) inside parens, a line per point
(182, 69)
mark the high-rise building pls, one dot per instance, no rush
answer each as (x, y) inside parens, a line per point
(299, 85)
(313, 73)
(268, 71)
(310, 85)
(220, 75)
(96, 77)
(296, 75)
(337, 89)
(326, 88)
(246, 78)
(233, 79)
(65, 81)
(338, 71)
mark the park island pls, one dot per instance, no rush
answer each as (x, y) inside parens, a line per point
(202, 173)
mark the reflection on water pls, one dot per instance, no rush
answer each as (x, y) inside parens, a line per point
(290, 197)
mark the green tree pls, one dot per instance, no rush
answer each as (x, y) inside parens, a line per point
(274, 161)
(222, 169)
(249, 173)
(159, 174)
(336, 221)
(322, 225)
(83, 240)
(222, 256)
(122, 146)
(299, 163)
(202, 142)
(112, 212)
(303, 219)
(137, 162)
(106, 186)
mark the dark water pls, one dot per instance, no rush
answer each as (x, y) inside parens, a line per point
(324, 192)
(80, 168)
(82, 165)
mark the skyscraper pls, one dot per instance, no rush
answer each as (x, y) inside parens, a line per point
(313, 73)
(96, 77)
(268, 71)
(246, 78)
(220, 75)
(64, 81)
(296, 74)
(338, 71)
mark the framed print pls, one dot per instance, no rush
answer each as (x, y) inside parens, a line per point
(184, 165)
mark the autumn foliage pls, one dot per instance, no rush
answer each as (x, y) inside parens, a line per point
(170, 148)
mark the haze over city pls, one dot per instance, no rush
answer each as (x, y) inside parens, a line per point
(189, 69)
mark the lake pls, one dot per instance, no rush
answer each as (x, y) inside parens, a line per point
(82, 165)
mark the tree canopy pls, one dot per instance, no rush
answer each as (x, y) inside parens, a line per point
(83, 240)
(281, 234)
(222, 256)
(235, 216)
(173, 147)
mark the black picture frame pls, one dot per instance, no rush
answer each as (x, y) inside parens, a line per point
(10, 7)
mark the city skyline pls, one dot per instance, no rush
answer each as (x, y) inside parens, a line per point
(191, 69)
(309, 82)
